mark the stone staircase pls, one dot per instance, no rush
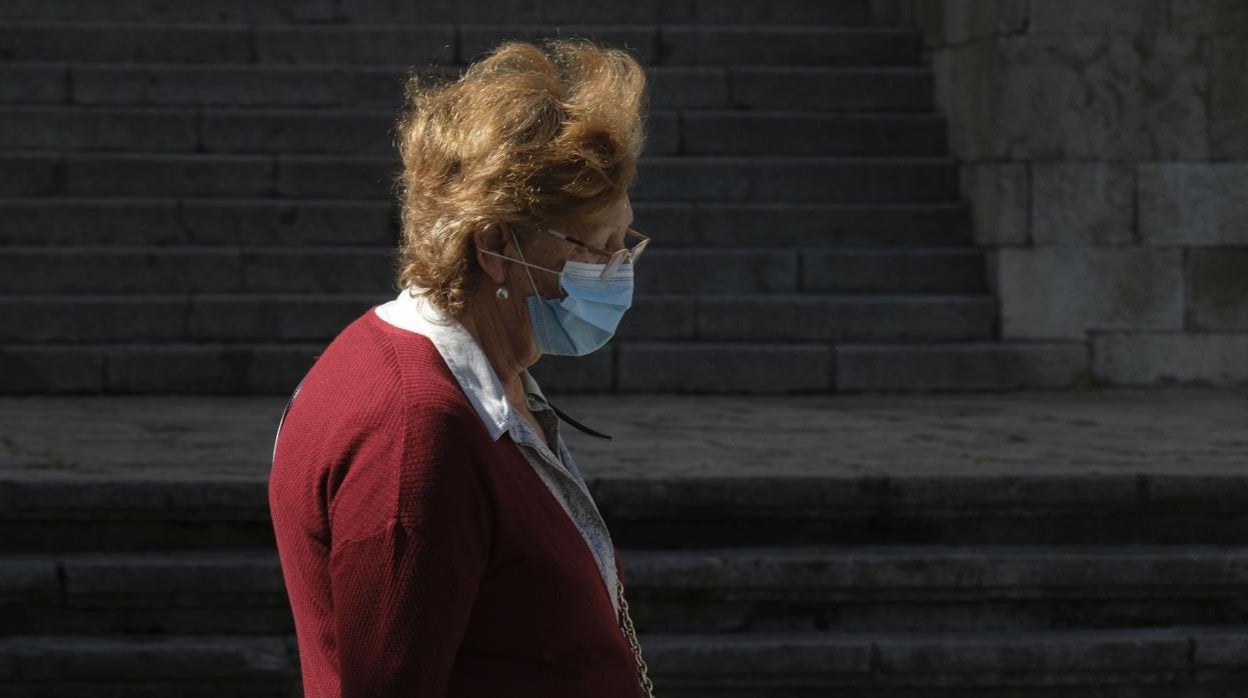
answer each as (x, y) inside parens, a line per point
(196, 197)
(1002, 586)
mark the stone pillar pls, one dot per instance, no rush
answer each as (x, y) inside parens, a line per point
(1104, 150)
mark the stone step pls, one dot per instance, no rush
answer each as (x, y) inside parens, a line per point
(846, 318)
(756, 88)
(149, 269)
(1195, 660)
(71, 666)
(845, 367)
(358, 131)
(682, 178)
(127, 220)
(234, 317)
(1007, 365)
(447, 44)
(751, 12)
(733, 590)
(622, 367)
(81, 512)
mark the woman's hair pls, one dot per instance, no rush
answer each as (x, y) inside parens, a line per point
(526, 137)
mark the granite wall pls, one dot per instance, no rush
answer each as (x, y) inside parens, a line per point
(1104, 150)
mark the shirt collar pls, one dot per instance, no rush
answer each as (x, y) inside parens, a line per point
(462, 354)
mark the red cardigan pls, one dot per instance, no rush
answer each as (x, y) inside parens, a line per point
(421, 558)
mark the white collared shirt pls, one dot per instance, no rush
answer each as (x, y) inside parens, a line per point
(480, 383)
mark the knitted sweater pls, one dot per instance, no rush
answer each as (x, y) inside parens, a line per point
(420, 556)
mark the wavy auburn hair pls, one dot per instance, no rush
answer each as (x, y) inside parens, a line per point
(527, 137)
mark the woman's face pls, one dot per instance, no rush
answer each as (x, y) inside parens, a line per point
(551, 252)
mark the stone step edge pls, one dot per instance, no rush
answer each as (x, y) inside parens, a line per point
(657, 27)
(978, 656)
(246, 499)
(797, 569)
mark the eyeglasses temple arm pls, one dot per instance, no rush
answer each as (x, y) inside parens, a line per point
(517, 261)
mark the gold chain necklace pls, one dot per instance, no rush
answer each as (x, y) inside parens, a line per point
(627, 624)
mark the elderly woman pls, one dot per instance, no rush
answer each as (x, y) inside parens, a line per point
(435, 536)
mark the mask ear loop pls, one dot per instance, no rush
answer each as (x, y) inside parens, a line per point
(525, 265)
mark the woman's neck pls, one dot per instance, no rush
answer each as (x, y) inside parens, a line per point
(497, 336)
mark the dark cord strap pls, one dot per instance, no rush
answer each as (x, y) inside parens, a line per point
(579, 427)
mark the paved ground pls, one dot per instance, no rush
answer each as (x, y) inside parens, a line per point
(1170, 430)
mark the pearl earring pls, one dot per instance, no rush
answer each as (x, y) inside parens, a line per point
(502, 293)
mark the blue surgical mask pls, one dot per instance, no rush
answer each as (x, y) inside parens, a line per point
(587, 317)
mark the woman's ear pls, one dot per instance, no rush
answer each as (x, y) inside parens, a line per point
(490, 238)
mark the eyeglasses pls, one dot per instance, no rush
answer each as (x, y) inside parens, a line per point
(615, 259)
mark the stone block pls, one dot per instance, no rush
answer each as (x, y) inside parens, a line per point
(967, 88)
(317, 271)
(342, 176)
(478, 12)
(1228, 94)
(1063, 292)
(593, 373)
(193, 368)
(662, 133)
(729, 132)
(1105, 16)
(882, 271)
(1217, 289)
(50, 368)
(720, 45)
(81, 41)
(1221, 648)
(168, 175)
(1219, 17)
(1100, 96)
(38, 83)
(1000, 201)
(717, 271)
(119, 270)
(1193, 204)
(355, 45)
(278, 222)
(72, 128)
(1126, 358)
(680, 87)
(235, 317)
(235, 85)
(831, 225)
(860, 180)
(685, 178)
(668, 224)
(965, 21)
(830, 318)
(1075, 203)
(30, 175)
(806, 88)
(979, 366)
(97, 317)
(754, 12)
(278, 367)
(118, 658)
(117, 220)
(194, 579)
(638, 40)
(716, 368)
(657, 316)
(574, 11)
(163, 11)
(991, 657)
(286, 131)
